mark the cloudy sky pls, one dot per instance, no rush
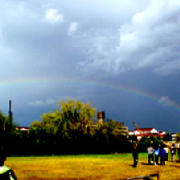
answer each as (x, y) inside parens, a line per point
(122, 56)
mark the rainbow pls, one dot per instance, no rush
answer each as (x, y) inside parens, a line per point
(163, 100)
(125, 89)
(21, 81)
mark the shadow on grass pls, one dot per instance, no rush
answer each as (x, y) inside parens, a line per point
(132, 165)
(143, 163)
(175, 165)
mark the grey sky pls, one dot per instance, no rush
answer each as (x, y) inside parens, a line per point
(122, 56)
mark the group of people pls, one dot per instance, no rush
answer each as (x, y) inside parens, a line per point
(156, 155)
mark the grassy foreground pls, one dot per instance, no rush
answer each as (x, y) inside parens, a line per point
(112, 166)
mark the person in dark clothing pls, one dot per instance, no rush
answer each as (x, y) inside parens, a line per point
(162, 154)
(178, 151)
(135, 154)
(6, 173)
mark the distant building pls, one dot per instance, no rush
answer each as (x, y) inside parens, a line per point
(174, 136)
(121, 128)
(146, 132)
(23, 129)
(101, 117)
(161, 132)
(125, 130)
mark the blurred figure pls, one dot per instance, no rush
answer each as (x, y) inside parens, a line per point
(135, 154)
(167, 151)
(150, 151)
(6, 173)
(162, 154)
(173, 153)
(179, 153)
(156, 152)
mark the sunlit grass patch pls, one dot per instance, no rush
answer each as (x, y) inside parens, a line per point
(88, 167)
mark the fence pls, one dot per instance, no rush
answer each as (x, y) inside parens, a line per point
(145, 177)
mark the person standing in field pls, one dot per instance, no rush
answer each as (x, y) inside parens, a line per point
(178, 151)
(173, 153)
(167, 151)
(6, 173)
(162, 154)
(150, 151)
(135, 154)
(156, 152)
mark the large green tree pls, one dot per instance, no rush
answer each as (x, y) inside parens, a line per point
(71, 115)
(71, 129)
(66, 126)
(76, 111)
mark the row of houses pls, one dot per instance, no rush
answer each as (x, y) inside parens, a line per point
(148, 132)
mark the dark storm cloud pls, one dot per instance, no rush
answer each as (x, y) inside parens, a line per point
(81, 49)
(36, 34)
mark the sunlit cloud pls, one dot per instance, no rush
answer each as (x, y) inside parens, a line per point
(72, 28)
(48, 101)
(53, 16)
(165, 100)
(52, 101)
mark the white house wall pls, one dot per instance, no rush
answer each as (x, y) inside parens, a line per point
(153, 131)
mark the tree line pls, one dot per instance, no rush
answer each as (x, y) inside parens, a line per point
(71, 129)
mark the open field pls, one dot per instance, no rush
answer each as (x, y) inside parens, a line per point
(112, 166)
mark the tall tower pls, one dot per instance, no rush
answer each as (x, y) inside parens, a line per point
(101, 117)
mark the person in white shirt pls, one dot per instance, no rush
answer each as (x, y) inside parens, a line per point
(150, 151)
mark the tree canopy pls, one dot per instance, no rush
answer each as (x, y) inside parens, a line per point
(70, 115)
(73, 128)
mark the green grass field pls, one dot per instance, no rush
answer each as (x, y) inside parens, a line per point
(113, 166)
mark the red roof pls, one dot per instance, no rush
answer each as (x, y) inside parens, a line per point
(155, 135)
(144, 129)
(23, 128)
